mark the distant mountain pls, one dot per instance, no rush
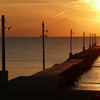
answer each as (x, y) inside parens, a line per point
(63, 26)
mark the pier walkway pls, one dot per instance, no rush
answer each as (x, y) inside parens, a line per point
(53, 80)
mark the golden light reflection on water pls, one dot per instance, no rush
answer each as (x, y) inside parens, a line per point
(97, 62)
(87, 86)
(90, 80)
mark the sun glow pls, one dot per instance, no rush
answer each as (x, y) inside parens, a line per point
(96, 3)
(93, 3)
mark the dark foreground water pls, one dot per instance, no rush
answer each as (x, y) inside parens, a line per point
(24, 57)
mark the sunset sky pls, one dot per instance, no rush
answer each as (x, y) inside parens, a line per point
(26, 16)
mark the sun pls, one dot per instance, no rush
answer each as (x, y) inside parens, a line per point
(97, 4)
(94, 4)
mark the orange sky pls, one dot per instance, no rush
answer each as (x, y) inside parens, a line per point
(26, 16)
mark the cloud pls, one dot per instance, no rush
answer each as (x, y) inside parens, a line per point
(38, 1)
(25, 1)
(61, 13)
(79, 3)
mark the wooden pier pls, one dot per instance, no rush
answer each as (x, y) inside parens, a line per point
(54, 79)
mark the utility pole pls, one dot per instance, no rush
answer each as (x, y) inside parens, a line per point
(3, 43)
(43, 46)
(71, 32)
(89, 40)
(83, 41)
(92, 40)
(95, 40)
(3, 73)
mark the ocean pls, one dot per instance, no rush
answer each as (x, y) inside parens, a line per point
(24, 57)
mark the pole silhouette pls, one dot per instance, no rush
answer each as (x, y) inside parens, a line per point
(43, 46)
(83, 41)
(71, 32)
(92, 40)
(89, 40)
(3, 43)
(95, 40)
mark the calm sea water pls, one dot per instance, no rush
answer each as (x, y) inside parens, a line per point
(24, 57)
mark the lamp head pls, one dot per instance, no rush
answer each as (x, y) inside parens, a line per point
(9, 28)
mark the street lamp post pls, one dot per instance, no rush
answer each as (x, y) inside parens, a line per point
(71, 32)
(94, 39)
(83, 41)
(89, 40)
(3, 43)
(43, 46)
(3, 73)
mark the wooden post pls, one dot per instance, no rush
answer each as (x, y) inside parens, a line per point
(43, 45)
(95, 40)
(71, 32)
(89, 40)
(92, 40)
(3, 43)
(3, 73)
(83, 41)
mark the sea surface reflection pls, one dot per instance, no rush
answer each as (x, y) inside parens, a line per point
(90, 80)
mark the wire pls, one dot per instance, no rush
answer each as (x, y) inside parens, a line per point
(48, 32)
(23, 29)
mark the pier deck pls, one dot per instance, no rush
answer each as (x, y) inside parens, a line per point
(57, 69)
(53, 79)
